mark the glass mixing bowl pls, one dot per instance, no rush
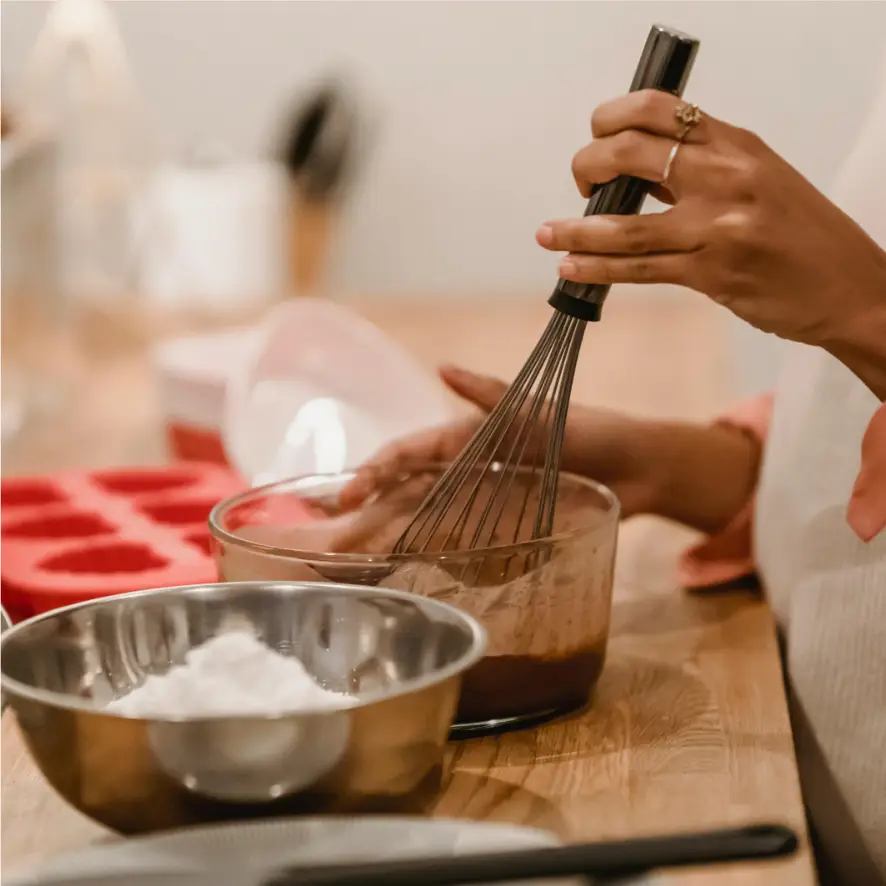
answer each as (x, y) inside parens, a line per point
(545, 603)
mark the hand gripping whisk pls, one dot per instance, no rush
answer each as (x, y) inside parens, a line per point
(510, 467)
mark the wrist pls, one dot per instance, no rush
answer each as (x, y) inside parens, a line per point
(857, 338)
(699, 475)
(860, 345)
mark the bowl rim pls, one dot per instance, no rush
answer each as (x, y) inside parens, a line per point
(217, 531)
(7, 625)
(475, 652)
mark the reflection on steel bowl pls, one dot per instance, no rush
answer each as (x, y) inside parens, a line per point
(402, 657)
(545, 604)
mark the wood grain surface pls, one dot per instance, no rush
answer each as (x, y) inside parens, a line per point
(689, 726)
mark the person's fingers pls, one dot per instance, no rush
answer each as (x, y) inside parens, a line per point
(670, 231)
(651, 111)
(402, 456)
(671, 267)
(630, 152)
(481, 390)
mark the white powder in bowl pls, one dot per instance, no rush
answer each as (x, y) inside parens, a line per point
(231, 675)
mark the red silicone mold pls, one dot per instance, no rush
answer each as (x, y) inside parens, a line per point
(76, 536)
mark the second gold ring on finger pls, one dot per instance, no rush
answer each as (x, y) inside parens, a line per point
(670, 162)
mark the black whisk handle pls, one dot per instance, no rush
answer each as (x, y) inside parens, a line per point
(597, 861)
(666, 61)
(665, 65)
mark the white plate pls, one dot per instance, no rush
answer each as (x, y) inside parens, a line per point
(178, 858)
(273, 843)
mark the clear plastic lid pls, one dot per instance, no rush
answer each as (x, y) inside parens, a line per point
(322, 389)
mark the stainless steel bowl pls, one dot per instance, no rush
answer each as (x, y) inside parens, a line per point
(5, 623)
(402, 656)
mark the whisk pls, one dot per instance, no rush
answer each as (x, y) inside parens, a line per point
(511, 465)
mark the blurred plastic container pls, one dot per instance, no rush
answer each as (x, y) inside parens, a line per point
(192, 375)
(315, 389)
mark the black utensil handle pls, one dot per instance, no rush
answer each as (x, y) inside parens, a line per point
(665, 65)
(596, 860)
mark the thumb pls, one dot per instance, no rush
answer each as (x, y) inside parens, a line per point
(481, 390)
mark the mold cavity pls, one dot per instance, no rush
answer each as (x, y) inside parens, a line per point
(135, 482)
(65, 526)
(28, 492)
(180, 514)
(202, 541)
(105, 559)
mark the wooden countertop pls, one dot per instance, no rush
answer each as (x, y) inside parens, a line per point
(689, 728)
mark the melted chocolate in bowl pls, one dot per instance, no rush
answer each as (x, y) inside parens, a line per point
(545, 604)
(511, 688)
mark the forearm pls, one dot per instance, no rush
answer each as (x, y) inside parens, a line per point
(699, 475)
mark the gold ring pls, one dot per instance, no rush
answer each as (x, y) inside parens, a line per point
(688, 116)
(670, 162)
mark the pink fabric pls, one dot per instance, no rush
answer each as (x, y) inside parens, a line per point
(729, 555)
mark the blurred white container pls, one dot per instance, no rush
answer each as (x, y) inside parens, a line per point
(213, 235)
(316, 388)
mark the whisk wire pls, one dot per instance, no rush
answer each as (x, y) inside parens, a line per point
(560, 403)
(529, 419)
(503, 420)
(418, 535)
(491, 430)
(528, 487)
(510, 464)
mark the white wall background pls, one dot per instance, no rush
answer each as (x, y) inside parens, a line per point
(480, 105)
